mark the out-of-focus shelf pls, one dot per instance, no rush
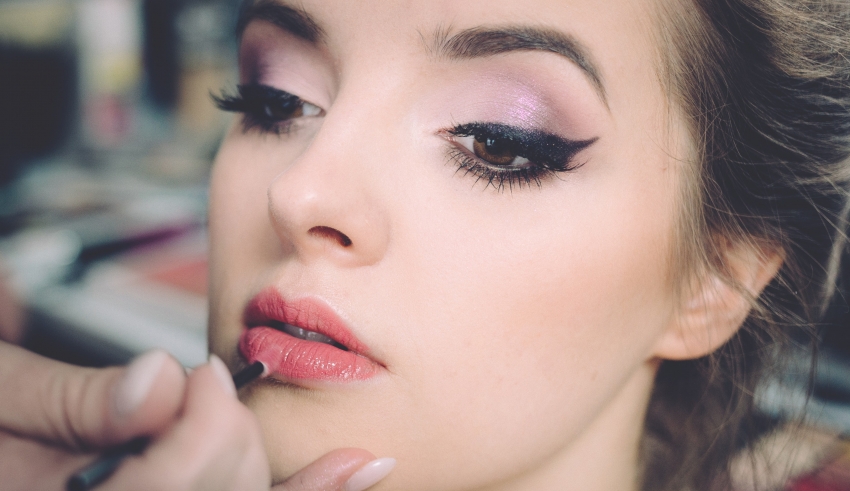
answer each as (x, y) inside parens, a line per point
(118, 313)
(109, 266)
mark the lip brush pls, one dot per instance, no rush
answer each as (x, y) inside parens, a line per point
(90, 476)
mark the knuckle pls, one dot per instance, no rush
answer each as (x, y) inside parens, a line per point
(60, 399)
(74, 402)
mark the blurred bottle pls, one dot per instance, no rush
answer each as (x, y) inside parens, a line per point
(190, 53)
(208, 54)
(129, 80)
(38, 80)
(162, 52)
(109, 38)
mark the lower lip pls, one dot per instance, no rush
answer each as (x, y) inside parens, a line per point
(296, 359)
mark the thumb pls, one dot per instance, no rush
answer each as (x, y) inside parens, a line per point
(85, 408)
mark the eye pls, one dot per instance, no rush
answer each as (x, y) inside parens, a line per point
(267, 108)
(503, 155)
(495, 151)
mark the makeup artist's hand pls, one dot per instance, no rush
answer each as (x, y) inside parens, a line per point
(346, 469)
(55, 418)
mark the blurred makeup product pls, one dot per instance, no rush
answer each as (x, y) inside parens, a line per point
(94, 474)
(106, 281)
(110, 49)
(37, 84)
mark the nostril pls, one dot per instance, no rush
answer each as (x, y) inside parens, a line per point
(331, 234)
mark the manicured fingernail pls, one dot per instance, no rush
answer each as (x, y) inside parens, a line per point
(370, 474)
(223, 374)
(137, 382)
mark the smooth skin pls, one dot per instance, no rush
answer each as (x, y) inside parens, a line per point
(520, 328)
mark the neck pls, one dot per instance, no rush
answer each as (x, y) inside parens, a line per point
(604, 456)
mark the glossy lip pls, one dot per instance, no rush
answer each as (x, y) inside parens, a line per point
(294, 359)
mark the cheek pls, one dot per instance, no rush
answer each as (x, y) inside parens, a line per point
(242, 244)
(558, 304)
(541, 311)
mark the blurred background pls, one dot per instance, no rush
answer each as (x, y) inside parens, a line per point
(107, 134)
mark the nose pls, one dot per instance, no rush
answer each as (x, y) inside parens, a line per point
(325, 205)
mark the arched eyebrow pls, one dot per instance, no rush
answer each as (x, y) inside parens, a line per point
(290, 19)
(480, 42)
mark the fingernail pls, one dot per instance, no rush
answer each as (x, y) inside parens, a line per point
(137, 382)
(370, 474)
(223, 374)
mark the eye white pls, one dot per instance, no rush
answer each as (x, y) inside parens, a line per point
(311, 109)
(307, 110)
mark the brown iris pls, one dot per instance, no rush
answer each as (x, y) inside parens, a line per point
(496, 151)
(284, 110)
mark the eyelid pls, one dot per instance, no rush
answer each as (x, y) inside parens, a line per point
(273, 56)
(257, 102)
(538, 146)
(276, 92)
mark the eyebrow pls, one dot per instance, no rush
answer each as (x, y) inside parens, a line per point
(476, 42)
(480, 42)
(290, 19)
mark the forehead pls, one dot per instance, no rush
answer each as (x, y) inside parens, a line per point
(612, 42)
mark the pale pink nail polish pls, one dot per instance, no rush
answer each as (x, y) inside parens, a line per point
(370, 474)
(137, 382)
(223, 374)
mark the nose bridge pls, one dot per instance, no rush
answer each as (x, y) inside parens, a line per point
(326, 203)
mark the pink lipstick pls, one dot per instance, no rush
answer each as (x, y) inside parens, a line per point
(303, 339)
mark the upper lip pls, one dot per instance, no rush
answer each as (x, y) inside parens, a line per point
(269, 308)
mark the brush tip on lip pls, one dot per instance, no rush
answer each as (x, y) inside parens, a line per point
(252, 372)
(266, 372)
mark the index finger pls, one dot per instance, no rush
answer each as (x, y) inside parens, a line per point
(329, 472)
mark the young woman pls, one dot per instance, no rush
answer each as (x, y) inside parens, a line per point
(536, 245)
(540, 245)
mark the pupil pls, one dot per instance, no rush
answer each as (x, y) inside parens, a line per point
(494, 150)
(494, 147)
(281, 110)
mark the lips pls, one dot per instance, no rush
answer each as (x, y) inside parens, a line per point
(303, 340)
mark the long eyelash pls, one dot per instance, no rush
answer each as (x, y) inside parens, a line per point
(252, 101)
(498, 179)
(549, 155)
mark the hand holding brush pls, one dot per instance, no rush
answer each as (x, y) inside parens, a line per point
(57, 418)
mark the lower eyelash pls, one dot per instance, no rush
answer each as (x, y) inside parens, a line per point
(498, 179)
(279, 128)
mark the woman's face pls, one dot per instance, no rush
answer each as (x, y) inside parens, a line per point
(478, 200)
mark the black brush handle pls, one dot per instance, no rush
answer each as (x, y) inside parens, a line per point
(249, 374)
(97, 472)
